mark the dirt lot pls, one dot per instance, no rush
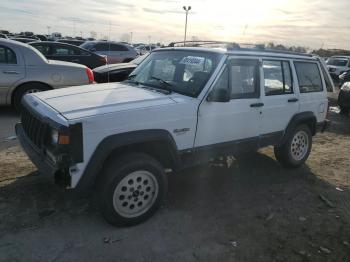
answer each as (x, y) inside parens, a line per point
(255, 210)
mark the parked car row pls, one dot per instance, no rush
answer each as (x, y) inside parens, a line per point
(23, 70)
(69, 53)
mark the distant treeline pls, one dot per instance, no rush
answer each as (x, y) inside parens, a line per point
(320, 52)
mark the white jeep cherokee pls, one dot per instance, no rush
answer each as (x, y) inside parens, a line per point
(180, 107)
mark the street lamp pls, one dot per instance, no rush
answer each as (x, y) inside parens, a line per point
(187, 9)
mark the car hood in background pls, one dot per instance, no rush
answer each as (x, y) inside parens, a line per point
(111, 67)
(91, 100)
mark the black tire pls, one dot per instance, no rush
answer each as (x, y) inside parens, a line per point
(24, 89)
(287, 153)
(344, 110)
(112, 177)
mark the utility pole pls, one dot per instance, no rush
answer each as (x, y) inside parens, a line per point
(130, 38)
(187, 9)
(48, 29)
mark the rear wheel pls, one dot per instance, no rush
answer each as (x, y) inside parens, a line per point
(296, 149)
(131, 189)
(26, 89)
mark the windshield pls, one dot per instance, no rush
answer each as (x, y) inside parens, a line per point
(184, 72)
(337, 61)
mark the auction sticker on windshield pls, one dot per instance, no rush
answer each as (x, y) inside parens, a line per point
(192, 60)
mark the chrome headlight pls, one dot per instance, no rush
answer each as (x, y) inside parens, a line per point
(54, 136)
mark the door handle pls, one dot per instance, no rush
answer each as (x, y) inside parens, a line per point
(257, 105)
(292, 100)
(10, 72)
(75, 60)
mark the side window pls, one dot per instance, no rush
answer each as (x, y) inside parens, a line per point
(244, 78)
(115, 47)
(309, 77)
(7, 56)
(62, 51)
(44, 49)
(277, 77)
(102, 47)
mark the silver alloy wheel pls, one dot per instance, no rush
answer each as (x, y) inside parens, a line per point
(34, 90)
(135, 194)
(300, 145)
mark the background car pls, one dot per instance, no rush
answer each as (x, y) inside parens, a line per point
(344, 98)
(115, 52)
(116, 72)
(143, 49)
(69, 53)
(24, 39)
(75, 42)
(344, 77)
(23, 69)
(3, 36)
(337, 65)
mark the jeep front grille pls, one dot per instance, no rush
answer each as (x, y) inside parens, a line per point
(33, 127)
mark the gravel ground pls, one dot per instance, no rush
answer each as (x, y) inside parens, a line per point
(254, 210)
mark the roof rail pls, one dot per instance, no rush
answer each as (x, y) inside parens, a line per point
(235, 46)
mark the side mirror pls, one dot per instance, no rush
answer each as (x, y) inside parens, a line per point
(218, 95)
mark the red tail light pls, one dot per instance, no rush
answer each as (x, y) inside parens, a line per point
(90, 75)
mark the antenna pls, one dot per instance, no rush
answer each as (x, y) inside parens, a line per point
(109, 49)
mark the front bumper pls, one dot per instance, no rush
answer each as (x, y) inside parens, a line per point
(38, 157)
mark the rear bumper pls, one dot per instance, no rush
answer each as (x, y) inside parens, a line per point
(322, 126)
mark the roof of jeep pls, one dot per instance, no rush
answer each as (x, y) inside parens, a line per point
(242, 51)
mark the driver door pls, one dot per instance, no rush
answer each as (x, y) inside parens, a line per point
(226, 127)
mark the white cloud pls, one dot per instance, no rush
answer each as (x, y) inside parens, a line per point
(296, 22)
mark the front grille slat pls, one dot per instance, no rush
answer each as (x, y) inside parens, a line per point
(33, 127)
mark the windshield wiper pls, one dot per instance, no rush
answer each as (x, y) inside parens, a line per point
(166, 84)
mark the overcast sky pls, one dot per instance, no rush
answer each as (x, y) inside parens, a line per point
(311, 23)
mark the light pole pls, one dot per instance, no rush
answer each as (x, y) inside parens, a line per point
(187, 9)
(48, 30)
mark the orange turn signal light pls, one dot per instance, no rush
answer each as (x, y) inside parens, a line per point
(63, 140)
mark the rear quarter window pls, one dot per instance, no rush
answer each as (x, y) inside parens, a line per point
(309, 77)
(7, 56)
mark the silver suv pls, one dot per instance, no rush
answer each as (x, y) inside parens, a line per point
(115, 52)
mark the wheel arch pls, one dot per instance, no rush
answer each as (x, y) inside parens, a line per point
(12, 95)
(157, 143)
(308, 118)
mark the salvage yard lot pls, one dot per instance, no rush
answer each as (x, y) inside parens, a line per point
(254, 210)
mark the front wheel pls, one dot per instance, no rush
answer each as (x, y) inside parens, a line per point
(131, 189)
(296, 149)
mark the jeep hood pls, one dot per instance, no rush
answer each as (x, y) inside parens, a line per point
(91, 100)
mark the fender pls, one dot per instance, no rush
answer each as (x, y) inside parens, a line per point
(110, 143)
(307, 117)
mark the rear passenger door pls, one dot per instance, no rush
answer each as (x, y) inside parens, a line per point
(280, 99)
(12, 69)
(313, 94)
